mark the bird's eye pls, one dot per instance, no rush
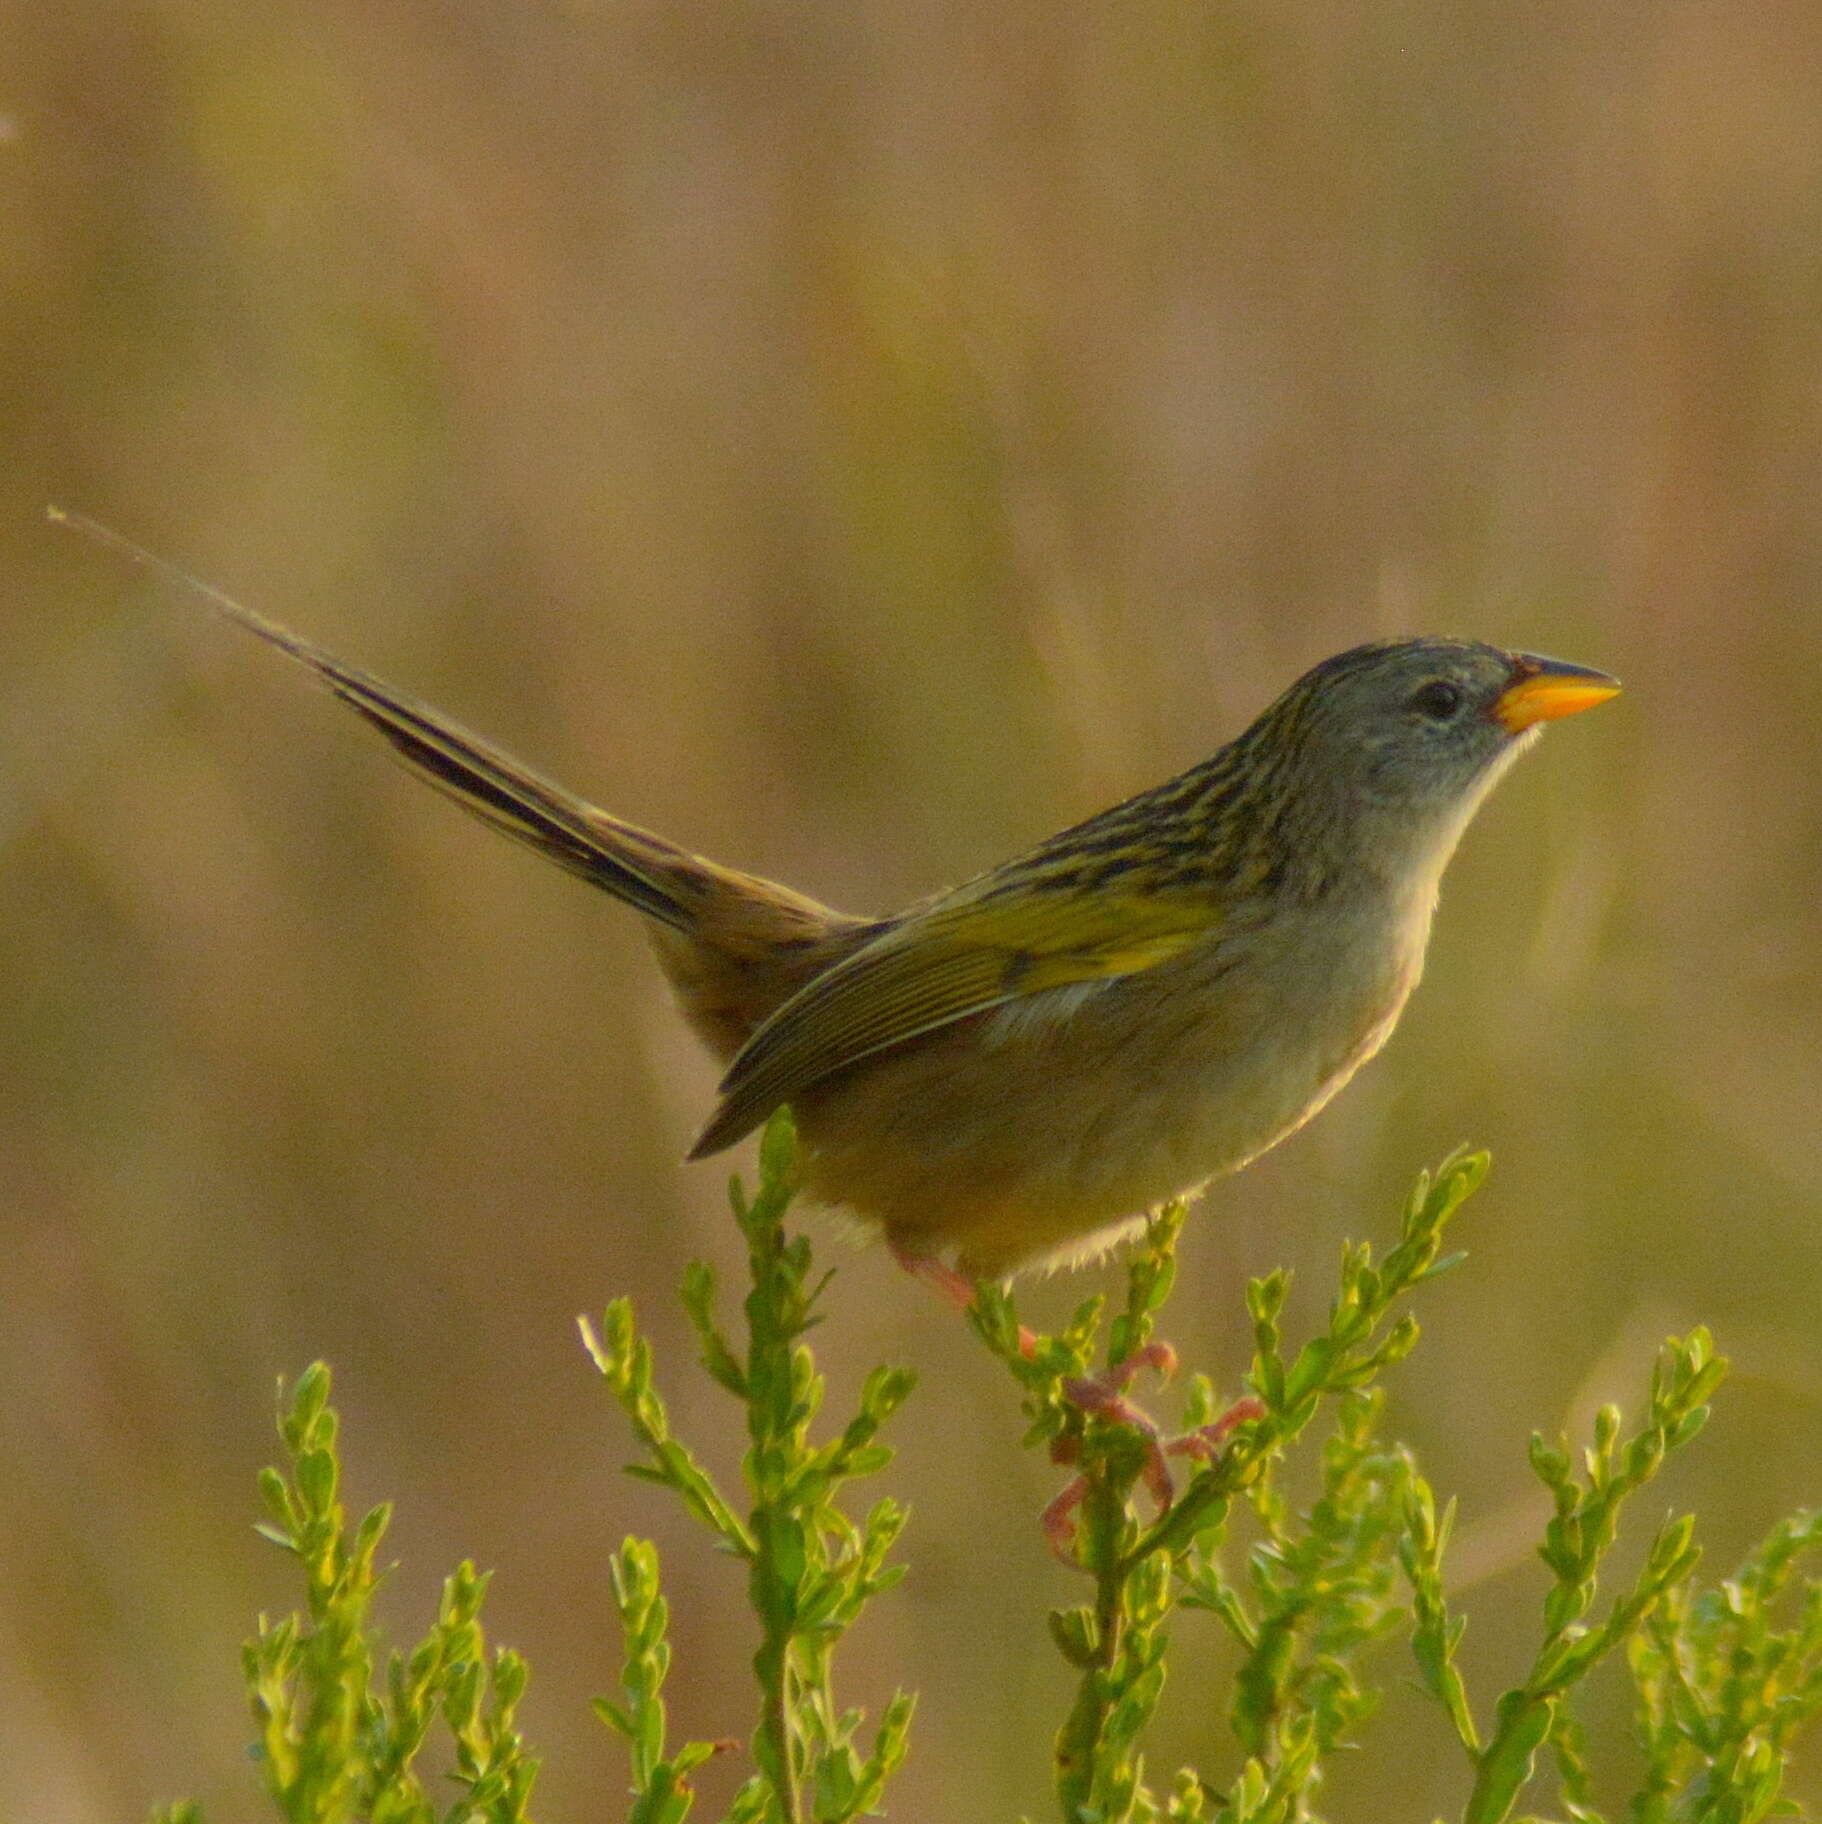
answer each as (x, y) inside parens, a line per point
(1438, 700)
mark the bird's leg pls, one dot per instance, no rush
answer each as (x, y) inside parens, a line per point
(1101, 1396)
(955, 1287)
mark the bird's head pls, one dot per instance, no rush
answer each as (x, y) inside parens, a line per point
(1399, 741)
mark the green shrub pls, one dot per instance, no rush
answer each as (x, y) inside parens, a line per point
(1725, 1674)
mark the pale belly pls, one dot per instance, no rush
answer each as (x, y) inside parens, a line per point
(1041, 1134)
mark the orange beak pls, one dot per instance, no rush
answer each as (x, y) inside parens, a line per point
(1544, 689)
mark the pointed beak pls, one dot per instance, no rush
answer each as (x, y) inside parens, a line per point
(1544, 689)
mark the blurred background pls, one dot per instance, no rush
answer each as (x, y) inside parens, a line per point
(855, 441)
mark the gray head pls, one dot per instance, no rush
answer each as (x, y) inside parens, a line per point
(1367, 768)
(1396, 743)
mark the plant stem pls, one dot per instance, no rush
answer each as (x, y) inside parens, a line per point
(772, 1666)
(1081, 1742)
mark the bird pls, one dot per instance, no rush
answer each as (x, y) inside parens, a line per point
(1015, 1072)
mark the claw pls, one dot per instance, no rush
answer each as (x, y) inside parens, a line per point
(1205, 1444)
(1104, 1400)
(1058, 1522)
(1104, 1397)
(1101, 1398)
(1160, 1356)
(1157, 1475)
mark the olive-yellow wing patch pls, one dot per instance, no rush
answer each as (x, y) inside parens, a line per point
(941, 966)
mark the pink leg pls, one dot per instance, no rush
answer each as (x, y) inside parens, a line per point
(1103, 1396)
(956, 1288)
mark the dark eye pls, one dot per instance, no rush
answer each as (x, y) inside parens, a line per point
(1438, 700)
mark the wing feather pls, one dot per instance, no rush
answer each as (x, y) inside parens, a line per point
(958, 958)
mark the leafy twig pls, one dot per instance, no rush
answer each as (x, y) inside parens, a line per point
(810, 1567)
(331, 1747)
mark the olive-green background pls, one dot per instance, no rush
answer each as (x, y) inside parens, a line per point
(854, 440)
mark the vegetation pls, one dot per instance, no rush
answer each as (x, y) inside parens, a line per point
(1338, 1593)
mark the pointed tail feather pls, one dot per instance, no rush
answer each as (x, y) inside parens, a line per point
(632, 864)
(511, 797)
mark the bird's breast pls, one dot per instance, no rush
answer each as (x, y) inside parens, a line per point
(1034, 1130)
(1276, 1028)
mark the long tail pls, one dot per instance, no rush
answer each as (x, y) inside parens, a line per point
(658, 878)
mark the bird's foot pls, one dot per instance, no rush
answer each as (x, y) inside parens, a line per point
(1100, 1396)
(1105, 1399)
(1058, 1522)
(1103, 1396)
(1205, 1442)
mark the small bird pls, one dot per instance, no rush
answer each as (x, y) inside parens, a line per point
(1014, 1072)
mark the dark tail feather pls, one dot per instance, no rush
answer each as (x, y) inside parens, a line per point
(503, 793)
(494, 786)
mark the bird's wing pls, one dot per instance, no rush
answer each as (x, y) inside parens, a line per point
(941, 966)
